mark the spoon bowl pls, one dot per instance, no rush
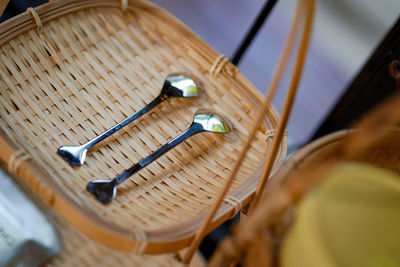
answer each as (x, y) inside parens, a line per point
(181, 85)
(212, 122)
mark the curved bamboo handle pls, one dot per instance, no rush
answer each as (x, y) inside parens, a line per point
(267, 100)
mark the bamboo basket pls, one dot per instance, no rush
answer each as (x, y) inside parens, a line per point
(71, 69)
(256, 242)
(384, 154)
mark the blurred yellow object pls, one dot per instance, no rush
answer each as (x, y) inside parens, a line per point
(351, 219)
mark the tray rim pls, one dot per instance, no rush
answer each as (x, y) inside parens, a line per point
(91, 225)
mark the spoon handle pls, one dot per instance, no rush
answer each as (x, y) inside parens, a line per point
(125, 122)
(192, 130)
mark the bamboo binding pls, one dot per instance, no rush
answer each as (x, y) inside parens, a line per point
(71, 69)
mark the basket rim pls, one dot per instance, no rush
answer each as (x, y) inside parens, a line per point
(296, 159)
(158, 241)
(304, 152)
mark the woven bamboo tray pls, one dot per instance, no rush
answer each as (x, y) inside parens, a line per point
(71, 69)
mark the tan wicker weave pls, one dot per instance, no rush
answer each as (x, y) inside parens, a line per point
(71, 69)
(78, 250)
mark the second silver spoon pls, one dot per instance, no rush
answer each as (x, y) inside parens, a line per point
(203, 121)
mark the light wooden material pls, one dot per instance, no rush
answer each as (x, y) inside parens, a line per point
(376, 142)
(276, 137)
(78, 250)
(309, 7)
(84, 66)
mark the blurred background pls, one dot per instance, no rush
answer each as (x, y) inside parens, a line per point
(345, 34)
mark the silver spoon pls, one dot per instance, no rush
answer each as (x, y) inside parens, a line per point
(175, 85)
(203, 121)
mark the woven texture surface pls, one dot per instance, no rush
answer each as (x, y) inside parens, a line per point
(88, 70)
(78, 250)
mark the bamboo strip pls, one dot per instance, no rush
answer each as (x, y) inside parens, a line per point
(289, 99)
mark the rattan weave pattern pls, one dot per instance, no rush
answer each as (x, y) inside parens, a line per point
(89, 69)
(78, 250)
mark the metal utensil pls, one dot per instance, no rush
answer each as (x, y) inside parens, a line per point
(105, 190)
(175, 85)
